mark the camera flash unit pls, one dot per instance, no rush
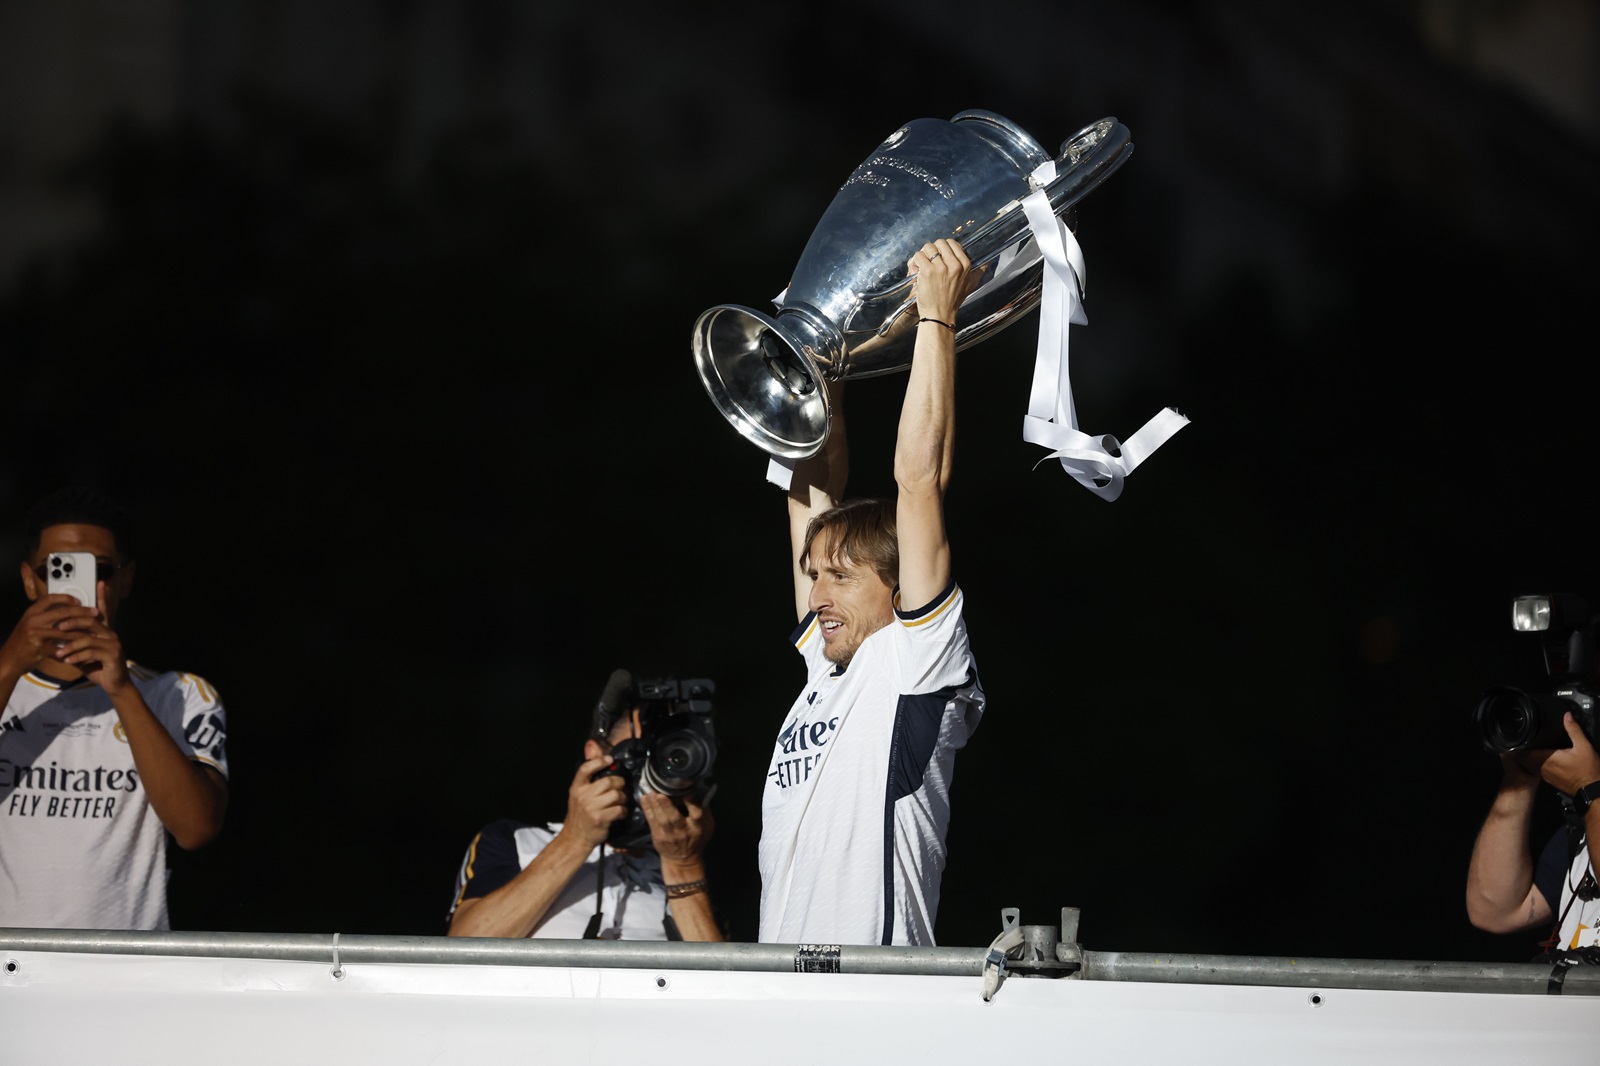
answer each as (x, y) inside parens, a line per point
(1530, 614)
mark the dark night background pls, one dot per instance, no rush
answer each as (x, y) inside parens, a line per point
(379, 313)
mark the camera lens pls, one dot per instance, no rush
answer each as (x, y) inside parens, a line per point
(1510, 719)
(677, 760)
(682, 755)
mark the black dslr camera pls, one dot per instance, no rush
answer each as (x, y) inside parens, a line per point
(671, 749)
(1513, 719)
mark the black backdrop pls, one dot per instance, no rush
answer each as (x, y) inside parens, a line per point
(382, 328)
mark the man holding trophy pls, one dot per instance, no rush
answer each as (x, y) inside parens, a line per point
(856, 803)
(857, 798)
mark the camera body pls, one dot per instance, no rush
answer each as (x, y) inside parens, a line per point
(1511, 719)
(673, 751)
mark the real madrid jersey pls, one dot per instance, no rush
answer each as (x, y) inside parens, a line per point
(625, 887)
(80, 846)
(857, 798)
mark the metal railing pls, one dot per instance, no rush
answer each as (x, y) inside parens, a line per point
(355, 949)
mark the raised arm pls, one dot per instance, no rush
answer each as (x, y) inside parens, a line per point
(1577, 767)
(818, 484)
(926, 438)
(1501, 897)
(190, 798)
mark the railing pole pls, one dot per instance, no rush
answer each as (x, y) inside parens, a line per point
(357, 949)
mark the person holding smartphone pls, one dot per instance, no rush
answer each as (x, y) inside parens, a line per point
(101, 760)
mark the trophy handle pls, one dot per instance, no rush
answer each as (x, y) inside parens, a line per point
(1090, 156)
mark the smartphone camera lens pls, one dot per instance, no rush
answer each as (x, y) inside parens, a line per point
(67, 567)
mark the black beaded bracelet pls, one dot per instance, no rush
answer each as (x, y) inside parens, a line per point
(687, 888)
(936, 322)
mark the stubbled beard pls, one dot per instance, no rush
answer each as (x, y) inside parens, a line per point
(842, 654)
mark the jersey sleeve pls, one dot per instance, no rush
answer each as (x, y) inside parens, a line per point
(490, 863)
(931, 643)
(201, 728)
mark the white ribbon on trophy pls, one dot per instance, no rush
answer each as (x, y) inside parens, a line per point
(1100, 464)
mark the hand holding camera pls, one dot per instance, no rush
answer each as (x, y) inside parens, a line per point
(678, 835)
(595, 802)
(1571, 768)
(666, 753)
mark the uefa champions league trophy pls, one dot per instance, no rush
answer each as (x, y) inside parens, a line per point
(848, 309)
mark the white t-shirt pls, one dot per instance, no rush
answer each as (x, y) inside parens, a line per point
(1580, 918)
(633, 901)
(80, 846)
(857, 799)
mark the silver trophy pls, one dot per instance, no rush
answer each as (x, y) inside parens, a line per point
(848, 311)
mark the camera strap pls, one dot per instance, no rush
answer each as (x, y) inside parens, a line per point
(593, 930)
(1562, 961)
(1574, 822)
(633, 879)
(1558, 977)
(1577, 843)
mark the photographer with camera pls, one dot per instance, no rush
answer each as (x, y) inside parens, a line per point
(627, 861)
(1549, 736)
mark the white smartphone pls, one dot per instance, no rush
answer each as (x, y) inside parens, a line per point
(72, 573)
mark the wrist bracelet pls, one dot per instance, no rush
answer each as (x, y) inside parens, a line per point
(687, 888)
(936, 322)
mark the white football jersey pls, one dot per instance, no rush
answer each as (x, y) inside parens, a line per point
(857, 799)
(80, 846)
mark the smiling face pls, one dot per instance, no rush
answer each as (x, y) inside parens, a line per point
(850, 599)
